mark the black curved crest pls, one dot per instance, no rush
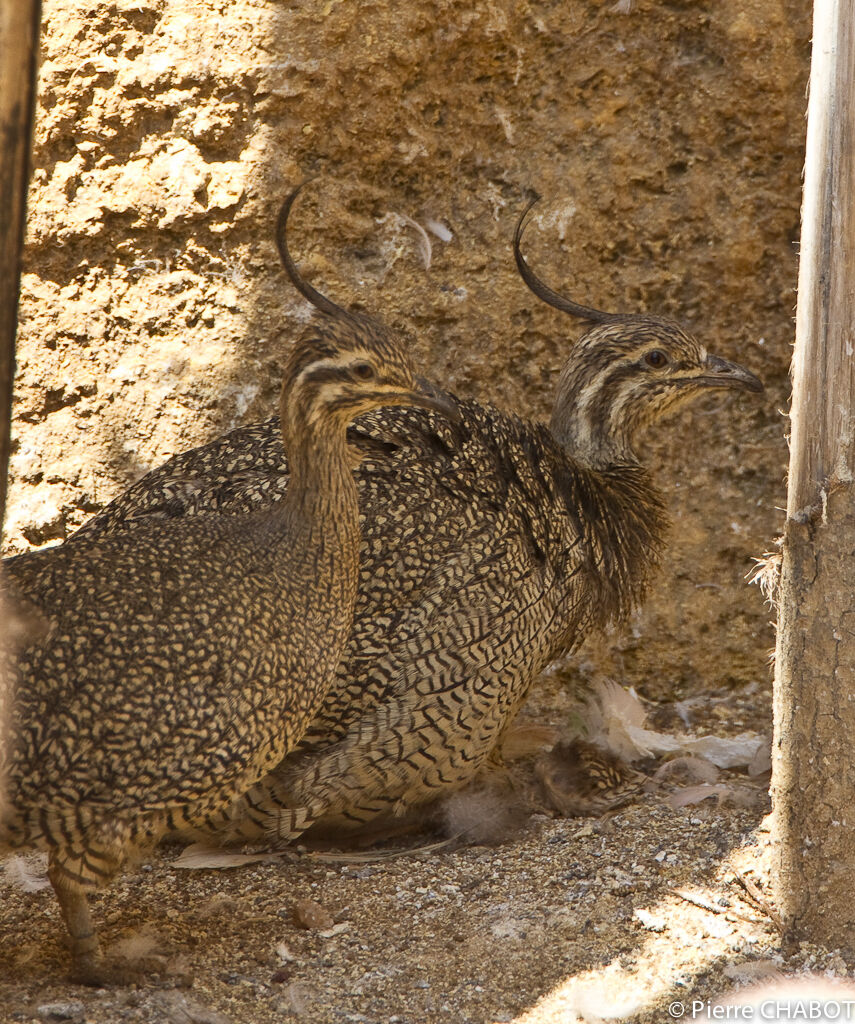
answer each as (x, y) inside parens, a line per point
(320, 302)
(543, 291)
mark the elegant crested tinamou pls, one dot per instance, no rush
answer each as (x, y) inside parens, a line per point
(489, 548)
(181, 661)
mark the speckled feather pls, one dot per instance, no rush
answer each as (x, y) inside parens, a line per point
(486, 551)
(152, 685)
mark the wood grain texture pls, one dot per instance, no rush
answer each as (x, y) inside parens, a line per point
(823, 366)
(19, 37)
(813, 774)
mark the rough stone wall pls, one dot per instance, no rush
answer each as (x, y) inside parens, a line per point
(666, 137)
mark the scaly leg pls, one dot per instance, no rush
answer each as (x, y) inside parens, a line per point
(77, 869)
(74, 907)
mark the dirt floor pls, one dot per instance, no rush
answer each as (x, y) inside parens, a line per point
(637, 916)
(570, 919)
(666, 137)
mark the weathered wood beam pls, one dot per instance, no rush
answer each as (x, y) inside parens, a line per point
(813, 756)
(20, 21)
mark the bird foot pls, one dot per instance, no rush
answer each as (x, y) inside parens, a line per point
(120, 972)
(104, 972)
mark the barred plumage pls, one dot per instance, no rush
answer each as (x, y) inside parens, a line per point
(488, 549)
(182, 661)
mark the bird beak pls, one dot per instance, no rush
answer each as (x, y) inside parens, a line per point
(719, 373)
(429, 397)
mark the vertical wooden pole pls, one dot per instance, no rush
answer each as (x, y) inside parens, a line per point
(19, 35)
(813, 757)
(20, 22)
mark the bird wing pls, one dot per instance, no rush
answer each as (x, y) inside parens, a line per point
(128, 701)
(240, 471)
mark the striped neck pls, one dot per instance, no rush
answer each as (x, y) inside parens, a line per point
(594, 433)
(321, 488)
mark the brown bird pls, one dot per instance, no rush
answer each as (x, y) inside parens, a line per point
(580, 779)
(183, 660)
(488, 549)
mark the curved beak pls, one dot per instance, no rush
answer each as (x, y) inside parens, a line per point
(428, 396)
(719, 373)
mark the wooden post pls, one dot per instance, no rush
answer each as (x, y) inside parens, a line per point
(20, 21)
(813, 755)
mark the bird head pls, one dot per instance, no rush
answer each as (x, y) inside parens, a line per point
(344, 364)
(339, 369)
(625, 373)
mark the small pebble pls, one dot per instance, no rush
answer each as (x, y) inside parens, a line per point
(650, 921)
(312, 916)
(61, 1011)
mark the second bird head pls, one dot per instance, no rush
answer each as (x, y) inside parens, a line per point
(624, 373)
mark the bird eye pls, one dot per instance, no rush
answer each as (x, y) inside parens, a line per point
(656, 359)
(363, 371)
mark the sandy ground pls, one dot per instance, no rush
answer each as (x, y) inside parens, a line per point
(612, 918)
(571, 918)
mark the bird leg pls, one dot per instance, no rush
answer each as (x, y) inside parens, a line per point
(74, 871)
(74, 907)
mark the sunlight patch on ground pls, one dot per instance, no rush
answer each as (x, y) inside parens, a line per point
(688, 932)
